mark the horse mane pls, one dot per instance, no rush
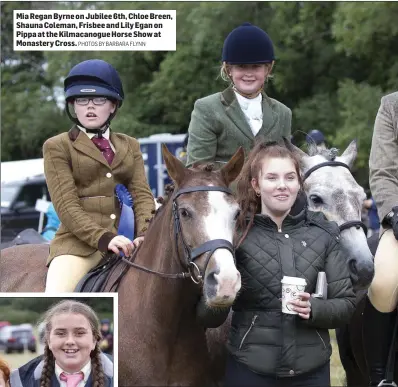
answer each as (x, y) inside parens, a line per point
(328, 154)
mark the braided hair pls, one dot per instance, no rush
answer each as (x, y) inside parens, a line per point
(76, 307)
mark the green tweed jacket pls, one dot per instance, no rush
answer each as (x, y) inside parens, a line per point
(218, 127)
(383, 161)
(81, 184)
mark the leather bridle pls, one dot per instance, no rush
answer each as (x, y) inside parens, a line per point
(190, 255)
(352, 223)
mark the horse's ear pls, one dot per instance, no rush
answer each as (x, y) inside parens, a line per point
(297, 151)
(231, 170)
(350, 154)
(175, 167)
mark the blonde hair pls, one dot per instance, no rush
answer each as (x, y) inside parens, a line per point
(226, 68)
(75, 307)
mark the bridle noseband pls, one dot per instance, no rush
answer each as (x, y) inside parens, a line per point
(352, 223)
(190, 255)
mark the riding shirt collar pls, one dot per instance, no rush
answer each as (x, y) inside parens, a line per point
(86, 372)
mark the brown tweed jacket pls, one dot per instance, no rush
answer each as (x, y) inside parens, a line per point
(383, 160)
(81, 184)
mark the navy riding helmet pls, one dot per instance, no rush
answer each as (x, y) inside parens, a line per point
(315, 135)
(248, 44)
(93, 77)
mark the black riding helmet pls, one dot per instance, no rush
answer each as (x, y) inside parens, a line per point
(248, 44)
(93, 77)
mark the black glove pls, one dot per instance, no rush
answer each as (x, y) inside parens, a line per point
(394, 222)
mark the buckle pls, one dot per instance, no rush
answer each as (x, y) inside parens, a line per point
(386, 383)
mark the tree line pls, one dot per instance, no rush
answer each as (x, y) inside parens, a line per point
(334, 61)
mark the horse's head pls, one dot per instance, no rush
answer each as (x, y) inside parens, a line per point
(204, 215)
(331, 189)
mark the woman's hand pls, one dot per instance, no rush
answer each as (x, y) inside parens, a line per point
(302, 306)
(123, 243)
(138, 241)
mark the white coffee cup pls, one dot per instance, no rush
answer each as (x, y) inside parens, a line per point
(291, 287)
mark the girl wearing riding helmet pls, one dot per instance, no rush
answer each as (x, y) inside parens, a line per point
(82, 168)
(222, 122)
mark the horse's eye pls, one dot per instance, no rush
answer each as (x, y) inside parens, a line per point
(184, 213)
(316, 199)
(237, 215)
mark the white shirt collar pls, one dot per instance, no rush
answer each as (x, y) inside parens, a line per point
(246, 102)
(91, 135)
(86, 372)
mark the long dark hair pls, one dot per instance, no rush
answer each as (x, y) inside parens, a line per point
(249, 202)
(71, 306)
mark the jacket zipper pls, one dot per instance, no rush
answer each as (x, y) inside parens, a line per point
(321, 338)
(247, 332)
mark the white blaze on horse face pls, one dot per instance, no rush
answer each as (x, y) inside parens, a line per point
(220, 224)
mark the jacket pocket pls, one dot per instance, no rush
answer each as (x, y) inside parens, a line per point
(323, 341)
(247, 332)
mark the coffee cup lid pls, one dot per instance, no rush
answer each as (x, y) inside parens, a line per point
(293, 280)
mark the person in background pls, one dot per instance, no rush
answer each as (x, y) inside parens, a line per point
(106, 343)
(373, 217)
(72, 357)
(223, 121)
(381, 304)
(52, 224)
(4, 374)
(316, 136)
(82, 169)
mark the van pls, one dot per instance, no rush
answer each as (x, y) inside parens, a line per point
(18, 201)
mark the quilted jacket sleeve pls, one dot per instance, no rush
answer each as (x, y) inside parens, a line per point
(340, 305)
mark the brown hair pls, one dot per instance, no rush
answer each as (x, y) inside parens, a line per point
(76, 307)
(249, 202)
(6, 371)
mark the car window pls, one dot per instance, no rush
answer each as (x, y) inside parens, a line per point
(8, 194)
(30, 193)
(22, 334)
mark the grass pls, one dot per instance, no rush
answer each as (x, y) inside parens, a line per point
(337, 374)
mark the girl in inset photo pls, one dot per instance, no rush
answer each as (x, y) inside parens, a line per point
(72, 355)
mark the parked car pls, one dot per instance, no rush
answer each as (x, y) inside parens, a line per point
(18, 201)
(15, 338)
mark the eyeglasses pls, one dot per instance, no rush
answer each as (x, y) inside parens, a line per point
(96, 100)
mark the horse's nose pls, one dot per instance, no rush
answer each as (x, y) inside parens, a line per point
(221, 289)
(361, 272)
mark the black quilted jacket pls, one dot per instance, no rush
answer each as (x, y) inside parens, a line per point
(262, 337)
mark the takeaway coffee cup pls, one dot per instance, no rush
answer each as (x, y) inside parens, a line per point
(291, 287)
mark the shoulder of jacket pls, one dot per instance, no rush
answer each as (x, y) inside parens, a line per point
(318, 219)
(277, 105)
(209, 99)
(107, 364)
(390, 98)
(57, 139)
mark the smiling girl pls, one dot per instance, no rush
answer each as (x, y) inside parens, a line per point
(72, 356)
(222, 122)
